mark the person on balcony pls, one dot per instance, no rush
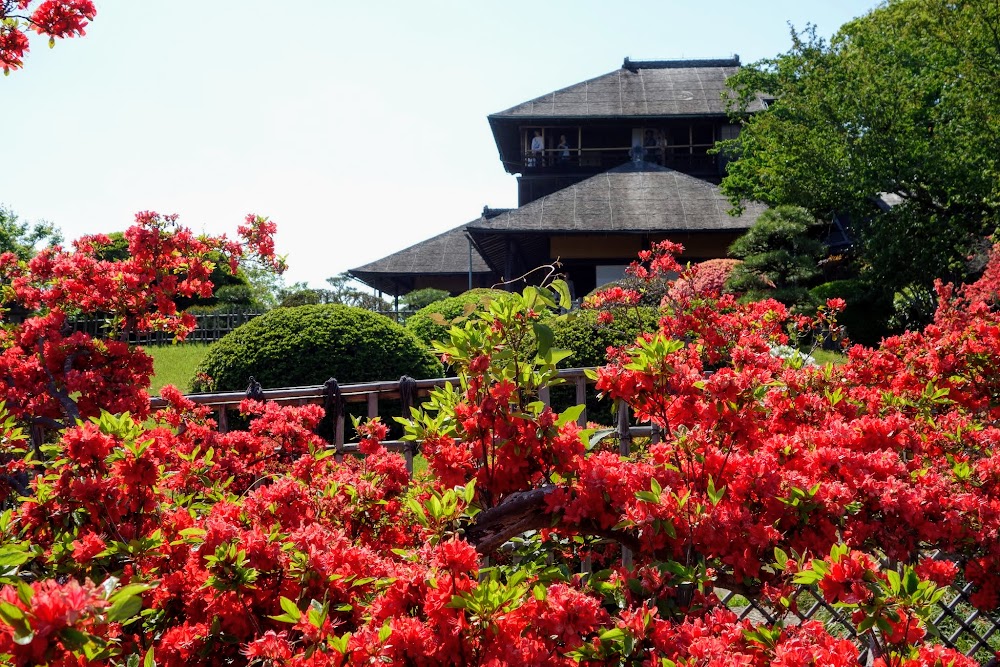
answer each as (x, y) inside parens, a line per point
(537, 150)
(651, 148)
(563, 148)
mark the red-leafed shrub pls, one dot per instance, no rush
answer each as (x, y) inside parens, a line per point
(875, 482)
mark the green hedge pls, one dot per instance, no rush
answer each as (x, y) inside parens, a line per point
(589, 342)
(423, 326)
(867, 313)
(307, 345)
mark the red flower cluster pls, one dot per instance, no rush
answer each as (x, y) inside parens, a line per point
(55, 18)
(48, 373)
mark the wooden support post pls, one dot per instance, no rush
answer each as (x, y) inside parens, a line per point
(624, 448)
(223, 420)
(581, 399)
(408, 456)
(338, 438)
(372, 404)
(545, 396)
(624, 430)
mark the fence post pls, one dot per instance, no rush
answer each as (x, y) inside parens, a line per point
(407, 396)
(581, 399)
(624, 448)
(333, 403)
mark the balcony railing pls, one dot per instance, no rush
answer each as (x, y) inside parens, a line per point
(602, 159)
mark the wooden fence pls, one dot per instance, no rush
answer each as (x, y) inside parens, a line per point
(210, 328)
(406, 391)
(956, 622)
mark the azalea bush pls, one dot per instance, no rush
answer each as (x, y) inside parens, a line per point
(530, 540)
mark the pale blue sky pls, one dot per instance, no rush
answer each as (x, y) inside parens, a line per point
(359, 127)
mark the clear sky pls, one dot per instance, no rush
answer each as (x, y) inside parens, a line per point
(359, 127)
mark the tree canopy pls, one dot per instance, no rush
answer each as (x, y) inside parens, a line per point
(779, 257)
(902, 101)
(21, 237)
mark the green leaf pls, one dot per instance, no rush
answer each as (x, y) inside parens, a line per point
(562, 289)
(13, 555)
(149, 661)
(570, 414)
(911, 582)
(11, 615)
(125, 608)
(614, 634)
(289, 607)
(544, 336)
(780, 558)
(599, 435)
(893, 578)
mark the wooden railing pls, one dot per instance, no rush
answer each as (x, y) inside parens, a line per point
(370, 393)
(682, 158)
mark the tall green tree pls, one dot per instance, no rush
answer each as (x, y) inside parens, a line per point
(780, 257)
(904, 100)
(21, 237)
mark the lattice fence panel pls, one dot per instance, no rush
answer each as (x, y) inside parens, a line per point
(956, 622)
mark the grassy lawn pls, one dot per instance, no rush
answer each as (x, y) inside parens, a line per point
(823, 357)
(175, 364)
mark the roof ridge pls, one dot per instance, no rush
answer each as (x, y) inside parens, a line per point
(681, 63)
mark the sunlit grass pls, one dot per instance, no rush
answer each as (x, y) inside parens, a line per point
(175, 364)
(824, 357)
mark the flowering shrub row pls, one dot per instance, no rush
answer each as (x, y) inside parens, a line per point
(167, 542)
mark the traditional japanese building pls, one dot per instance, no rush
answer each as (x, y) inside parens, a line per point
(604, 168)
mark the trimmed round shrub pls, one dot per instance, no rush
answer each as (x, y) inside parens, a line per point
(589, 342)
(866, 313)
(306, 345)
(423, 326)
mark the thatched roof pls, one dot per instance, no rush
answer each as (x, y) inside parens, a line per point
(446, 254)
(637, 198)
(640, 88)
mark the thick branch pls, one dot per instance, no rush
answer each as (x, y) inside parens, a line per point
(518, 513)
(526, 510)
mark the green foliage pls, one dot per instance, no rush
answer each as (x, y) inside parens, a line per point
(902, 100)
(21, 238)
(912, 308)
(589, 341)
(299, 294)
(432, 322)
(309, 344)
(779, 257)
(867, 309)
(343, 290)
(417, 299)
